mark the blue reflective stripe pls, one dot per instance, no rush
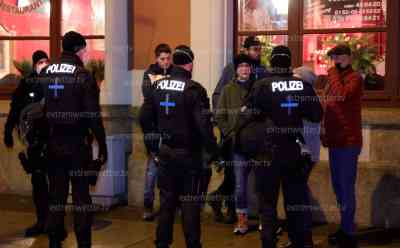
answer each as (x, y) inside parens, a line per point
(167, 104)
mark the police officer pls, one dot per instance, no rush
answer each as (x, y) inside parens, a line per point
(177, 112)
(286, 100)
(34, 164)
(72, 110)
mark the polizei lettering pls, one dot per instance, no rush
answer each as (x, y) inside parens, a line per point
(291, 85)
(61, 68)
(171, 85)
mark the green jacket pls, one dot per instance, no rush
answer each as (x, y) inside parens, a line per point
(229, 105)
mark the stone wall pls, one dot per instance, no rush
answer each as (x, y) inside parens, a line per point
(378, 183)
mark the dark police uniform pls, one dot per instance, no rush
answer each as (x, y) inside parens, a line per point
(72, 110)
(35, 165)
(286, 100)
(178, 110)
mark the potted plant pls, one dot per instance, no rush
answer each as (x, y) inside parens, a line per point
(24, 67)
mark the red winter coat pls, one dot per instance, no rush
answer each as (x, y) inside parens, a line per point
(341, 125)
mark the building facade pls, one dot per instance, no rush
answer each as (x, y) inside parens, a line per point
(123, 33)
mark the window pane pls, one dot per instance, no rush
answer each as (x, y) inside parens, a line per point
(84, 16)
(269, 42)
(95, 49)
(320, 14)
(263, 15)
(33, 18)
(369, 54)
(18, 51)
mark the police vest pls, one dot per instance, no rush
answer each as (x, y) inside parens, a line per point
(62, 84)
(173, 116)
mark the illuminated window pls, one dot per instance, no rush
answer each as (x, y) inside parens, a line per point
(312, 27)
(25, 27)
(320, 14)
(84, 16)
(263, 15)
(268, 42)
(33, 21)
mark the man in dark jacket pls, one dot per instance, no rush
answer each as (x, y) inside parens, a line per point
(176, 121)
(35, 164)
(72, 111)
(252, 48)
(286, 100)
(162, 68)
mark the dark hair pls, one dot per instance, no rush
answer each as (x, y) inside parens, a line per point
(162, 48)
(251, 41)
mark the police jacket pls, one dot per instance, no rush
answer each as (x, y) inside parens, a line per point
(286, 100)
(154, 69)
(178, 109)
(21, 97)
(72, 100)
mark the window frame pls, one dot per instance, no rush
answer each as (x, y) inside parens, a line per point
(55, 36)
(390, 96)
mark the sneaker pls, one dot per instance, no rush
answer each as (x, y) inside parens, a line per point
(148, 215)
(35, 230)
(242, 225)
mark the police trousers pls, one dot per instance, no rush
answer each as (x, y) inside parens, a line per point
(269, 178)
(63, 170)
(40, 194)
(182, 188)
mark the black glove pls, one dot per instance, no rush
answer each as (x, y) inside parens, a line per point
(103, 154)
(8, 139)
(25, 163)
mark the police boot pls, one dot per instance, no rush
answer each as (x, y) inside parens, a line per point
(54, 242)
(334, 237)
(301, 240)
(268, 243)
(216, 206)
(162, 246)
(37, 229)
(193, 245)
(231, 217)
(347, 241)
